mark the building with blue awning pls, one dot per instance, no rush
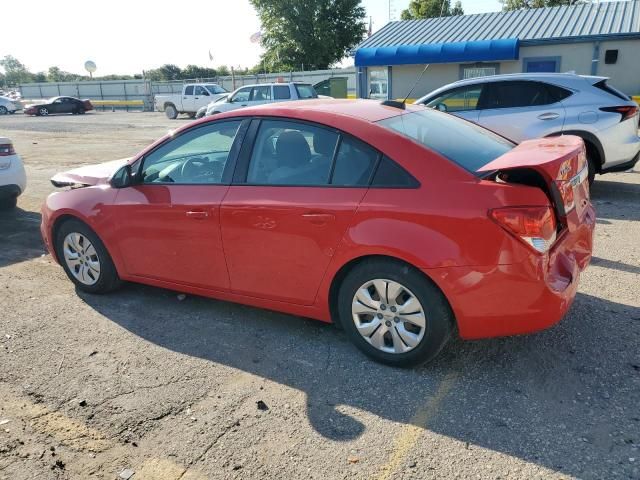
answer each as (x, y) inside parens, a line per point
(588, 39)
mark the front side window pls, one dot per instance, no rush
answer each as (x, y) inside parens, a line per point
(201, 91)
(260, 94)
(516, 94)
(305, 91)
(457, 100)
(281, 92)
(188, 90)
(462, 142)
(241, 95)
(198, 156)
(291, 153)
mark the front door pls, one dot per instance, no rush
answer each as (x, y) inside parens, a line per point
(201, 98)
(169, 221)
(521, 110)
(292, 200)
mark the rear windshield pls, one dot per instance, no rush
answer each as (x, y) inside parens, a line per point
(305, 91)
(462, 142)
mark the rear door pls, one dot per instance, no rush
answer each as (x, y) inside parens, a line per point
(295, 191)
(521, 109)
(188, 98)
(461, 101)
(281, 93)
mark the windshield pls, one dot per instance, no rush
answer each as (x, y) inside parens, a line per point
(215, 89)
(305, 91)
(462, 142)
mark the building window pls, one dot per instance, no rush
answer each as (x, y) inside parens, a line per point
(541, 64)
(378, 82)
(473, 70)
(610, 57)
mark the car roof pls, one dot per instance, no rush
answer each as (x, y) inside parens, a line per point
(365, 110)
(548, 77)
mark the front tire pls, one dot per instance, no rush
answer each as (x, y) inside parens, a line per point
(42, 111)
(3, 110)
(85, 259)
(171, 112)
(393, 313)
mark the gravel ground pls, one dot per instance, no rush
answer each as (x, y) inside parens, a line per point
(198, 388)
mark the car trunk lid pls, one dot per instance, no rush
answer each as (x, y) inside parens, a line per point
(561, 164)
(88, 175)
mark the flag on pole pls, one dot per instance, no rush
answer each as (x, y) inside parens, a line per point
(210, 56)
(370, 31)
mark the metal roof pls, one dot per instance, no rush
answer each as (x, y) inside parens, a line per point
(536, 25)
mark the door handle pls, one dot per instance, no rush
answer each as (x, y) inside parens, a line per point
(318, 218)
(243, 105)
(197, 214)
(548, 116)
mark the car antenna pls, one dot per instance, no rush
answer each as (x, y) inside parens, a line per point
(402, 104)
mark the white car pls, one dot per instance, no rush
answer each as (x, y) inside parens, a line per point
(13, 178)
(531, 105)
(8, 105)
(259, 94)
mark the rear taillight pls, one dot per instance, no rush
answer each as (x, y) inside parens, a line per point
(627, 111)
(535, 226)
(6, 149)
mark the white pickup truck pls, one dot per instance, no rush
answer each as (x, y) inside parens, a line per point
(193, 96)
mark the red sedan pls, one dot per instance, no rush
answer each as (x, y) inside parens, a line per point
(402, 225)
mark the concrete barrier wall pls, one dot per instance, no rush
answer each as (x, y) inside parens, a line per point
(121, 93)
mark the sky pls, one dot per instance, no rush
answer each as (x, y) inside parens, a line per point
(126, 37)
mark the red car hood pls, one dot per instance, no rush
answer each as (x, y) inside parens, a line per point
(89, 175)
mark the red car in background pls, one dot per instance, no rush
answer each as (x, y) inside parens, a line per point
(59, 105)
(400, 223)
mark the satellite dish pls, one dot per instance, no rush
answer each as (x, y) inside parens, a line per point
(90, 66)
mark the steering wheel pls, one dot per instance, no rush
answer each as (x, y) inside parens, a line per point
(191, 166)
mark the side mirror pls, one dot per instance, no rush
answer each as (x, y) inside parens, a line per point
(122, 178)
(442, 107)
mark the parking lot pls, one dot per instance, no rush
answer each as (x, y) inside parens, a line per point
(193, 388)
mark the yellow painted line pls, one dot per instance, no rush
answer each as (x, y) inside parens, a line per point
(410, 434)
(636, 98)
(117, 102)
(65, 430)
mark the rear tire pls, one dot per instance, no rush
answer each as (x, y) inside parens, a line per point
(404, 338)
(8, 203)
(3, 110)
(85, 259)
(592, 169)
(171, 112)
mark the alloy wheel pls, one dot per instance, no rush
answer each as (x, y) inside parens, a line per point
(81, 258)
(43, 111)
(388, 316)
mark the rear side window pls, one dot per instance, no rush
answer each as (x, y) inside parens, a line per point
(462, 142)
(516, 94)
(354, 163)
(305, 91)
(188, 90)
(558, 93)
(604, 86)
(390, 174)
(281, 92)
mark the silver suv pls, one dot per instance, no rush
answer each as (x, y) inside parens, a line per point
(523, 106)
